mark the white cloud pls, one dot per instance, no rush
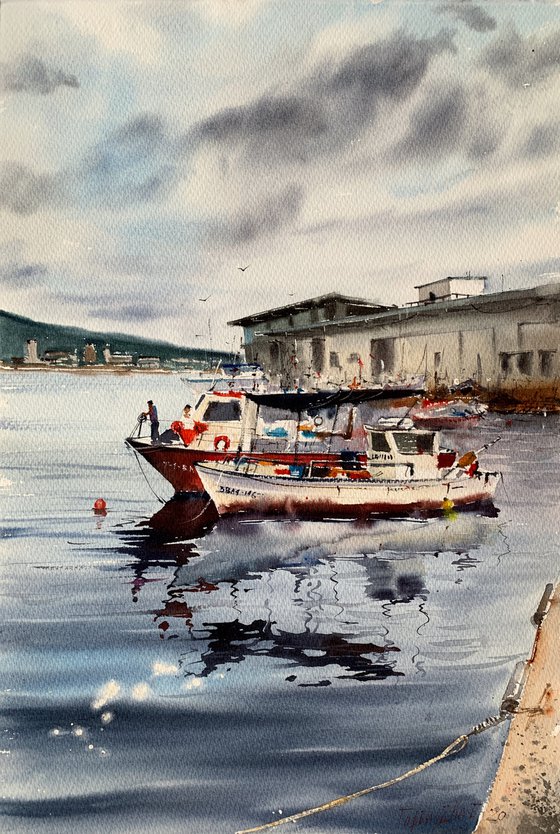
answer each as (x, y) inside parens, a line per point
(233, 13)
(119, 27)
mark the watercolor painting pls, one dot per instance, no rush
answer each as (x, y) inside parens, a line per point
(279, 416)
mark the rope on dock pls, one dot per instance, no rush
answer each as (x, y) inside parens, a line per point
(455, 747)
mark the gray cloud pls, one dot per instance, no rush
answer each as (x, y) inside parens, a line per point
(135, 163)
(265, 217)
(451, 119)
(29, 74)
(136, 312)
(138, 162)
(22, 275)
(438, 124)
(472, 16)
(543, 140)
(325, 108)
(518, 60)
(23, 192)
(141, 161)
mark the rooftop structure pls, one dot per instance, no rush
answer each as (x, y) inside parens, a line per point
(451, 287)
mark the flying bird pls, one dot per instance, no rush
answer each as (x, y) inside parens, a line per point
(243, 268)
(205, 299)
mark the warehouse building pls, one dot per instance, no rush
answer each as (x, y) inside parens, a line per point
(454, 331)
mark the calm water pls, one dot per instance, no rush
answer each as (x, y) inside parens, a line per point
(167, 672)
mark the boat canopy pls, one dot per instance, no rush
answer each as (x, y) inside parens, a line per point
(294, 401)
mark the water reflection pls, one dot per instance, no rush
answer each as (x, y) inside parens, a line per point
(317, 601)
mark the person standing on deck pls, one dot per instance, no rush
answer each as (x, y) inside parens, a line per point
(152, 415)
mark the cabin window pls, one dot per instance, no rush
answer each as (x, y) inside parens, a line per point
(353, 357)
(546, 362)
(379, 442)
(414, 444)
(223, 412)
(334, 359)
(525, 363)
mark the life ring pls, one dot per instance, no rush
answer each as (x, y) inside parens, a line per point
(221, 438)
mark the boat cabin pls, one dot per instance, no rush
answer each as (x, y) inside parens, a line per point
(405, 453)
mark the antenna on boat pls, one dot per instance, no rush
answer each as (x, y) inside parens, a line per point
(215, 374)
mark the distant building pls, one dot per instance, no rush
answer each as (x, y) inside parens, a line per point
(116, 358)
(148, 362)
(60, 357)
(501, 340)
(90, 355)
(31, 356)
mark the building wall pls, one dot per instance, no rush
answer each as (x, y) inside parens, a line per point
(513, 346)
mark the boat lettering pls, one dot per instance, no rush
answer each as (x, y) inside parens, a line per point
(250, 493)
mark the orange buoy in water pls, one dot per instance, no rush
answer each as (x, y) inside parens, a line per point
(100, 505)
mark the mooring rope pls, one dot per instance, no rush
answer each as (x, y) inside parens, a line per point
(455, 747)
(152, 490)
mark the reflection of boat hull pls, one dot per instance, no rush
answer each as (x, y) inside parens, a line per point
(238, 492)
(177, 464)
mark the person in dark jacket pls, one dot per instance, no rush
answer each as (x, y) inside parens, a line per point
(152, 415)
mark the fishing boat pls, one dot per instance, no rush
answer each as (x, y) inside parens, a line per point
(405, 470)
(283, 426)
(447, 415)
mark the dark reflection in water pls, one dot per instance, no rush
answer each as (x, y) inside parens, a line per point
(319, 600)
(233, 642)
(185, 517)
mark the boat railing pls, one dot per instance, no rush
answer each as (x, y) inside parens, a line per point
(316, 468)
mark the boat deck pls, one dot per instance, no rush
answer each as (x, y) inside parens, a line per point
(525, 796)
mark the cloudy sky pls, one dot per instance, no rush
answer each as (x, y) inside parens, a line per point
(149, 149)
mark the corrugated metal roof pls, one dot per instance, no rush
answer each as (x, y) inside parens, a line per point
(307, 304)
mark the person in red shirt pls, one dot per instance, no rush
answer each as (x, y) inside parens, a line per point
(188, 429)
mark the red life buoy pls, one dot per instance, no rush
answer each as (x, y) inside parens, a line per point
(221, 438)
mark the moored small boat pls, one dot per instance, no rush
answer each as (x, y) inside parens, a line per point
(447, 415)
(404, 472)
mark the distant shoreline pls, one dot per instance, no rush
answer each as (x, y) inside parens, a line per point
(95, 369)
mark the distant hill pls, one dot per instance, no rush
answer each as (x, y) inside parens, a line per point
(16, 330)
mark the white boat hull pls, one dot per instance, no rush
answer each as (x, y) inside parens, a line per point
(233, 491)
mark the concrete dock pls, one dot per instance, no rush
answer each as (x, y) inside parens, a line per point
(525, 796)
